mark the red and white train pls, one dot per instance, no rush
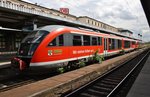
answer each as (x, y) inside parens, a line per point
(54, 46)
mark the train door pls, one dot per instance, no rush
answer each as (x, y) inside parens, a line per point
(105, 47)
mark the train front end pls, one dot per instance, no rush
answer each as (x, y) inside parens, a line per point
(27, 48)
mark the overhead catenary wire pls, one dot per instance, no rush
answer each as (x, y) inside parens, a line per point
(139, 24)
(130, 9)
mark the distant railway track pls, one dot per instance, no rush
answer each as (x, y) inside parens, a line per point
(14, 85)
(20, 80)
(110, 83)
(8, 79)
(8, 82)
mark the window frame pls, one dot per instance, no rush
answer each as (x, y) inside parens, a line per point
(57, 41)
(100, 41)
(93, 44)
(86, 39)
(75, 42)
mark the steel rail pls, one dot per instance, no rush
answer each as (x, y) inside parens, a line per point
(117, 67)
(111, 93)
(5, 87)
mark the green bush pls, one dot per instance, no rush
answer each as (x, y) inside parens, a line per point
(81, 63)
(122, 51)
(61, 70)
(98, 58)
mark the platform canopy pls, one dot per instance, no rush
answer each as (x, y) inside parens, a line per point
(146, 7)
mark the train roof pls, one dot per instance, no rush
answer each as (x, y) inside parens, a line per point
(51, 28)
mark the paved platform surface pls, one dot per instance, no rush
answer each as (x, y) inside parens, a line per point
(6, 57)
(141, 87)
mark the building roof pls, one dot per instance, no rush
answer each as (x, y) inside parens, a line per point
(95, 20)
(125, 30)
(46, 8)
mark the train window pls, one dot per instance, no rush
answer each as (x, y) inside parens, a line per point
(112, 44)
(53, 43)
(35, 36)
(61, 40)
(86, 40)
(99, 40)
(119, 44)
(94, 40)
(133, 42)
(77, 40)
(126, 44)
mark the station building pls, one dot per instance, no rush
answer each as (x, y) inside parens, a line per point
(96, 23)
(18, 17)
(126, 32)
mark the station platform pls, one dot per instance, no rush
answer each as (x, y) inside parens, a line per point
(141, 86)
(6, 57)
(5, 60)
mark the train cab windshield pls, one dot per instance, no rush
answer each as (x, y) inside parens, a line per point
(31, 42)
(35, 37)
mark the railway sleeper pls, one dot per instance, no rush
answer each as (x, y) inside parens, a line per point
(105, 85)
(96, 92)
(109, 82)
(112, 80)
(115, 78)
(86, 95)
(102, 88)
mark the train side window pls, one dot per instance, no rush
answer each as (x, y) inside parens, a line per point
(99, 40)
(133, 42)
(94, 40)
(86, 40)
(77, 41)
(119, 44)
(126, 44)
(53, 43)
(61, 40)
(113, 44)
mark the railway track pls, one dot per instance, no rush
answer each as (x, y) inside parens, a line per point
(111, 83)
(9, 79)
(15, 81)
(5, 87)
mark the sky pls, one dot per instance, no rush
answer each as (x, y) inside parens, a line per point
(127, 14)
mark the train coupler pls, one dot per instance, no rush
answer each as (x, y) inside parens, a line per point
(18, 63)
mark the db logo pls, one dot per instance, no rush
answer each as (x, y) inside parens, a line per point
(50, 52)
(64, 10)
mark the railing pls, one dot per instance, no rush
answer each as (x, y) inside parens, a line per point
(20, 7)
(26, 7)
(8, 52)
